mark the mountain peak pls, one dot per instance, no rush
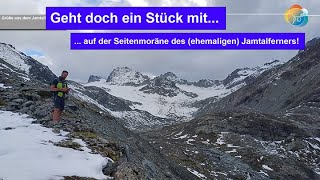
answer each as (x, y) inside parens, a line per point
(272, 63)
(312, 41)
(126, 76)
(22, 65)
(125, 68)
(170, 74)
(207, 83)
(93, 78)
(246, 75)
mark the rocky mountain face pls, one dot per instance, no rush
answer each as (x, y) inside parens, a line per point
(165, 85)
(289, 89)
(207, 83)
(170, 76)
(126, 76)
(240, 145)
(268, 129)
(24, 66)
(93, 78)
(247, 75)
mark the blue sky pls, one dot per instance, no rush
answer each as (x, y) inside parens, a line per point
(33, 52)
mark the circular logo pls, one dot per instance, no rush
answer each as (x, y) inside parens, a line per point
(297, 16)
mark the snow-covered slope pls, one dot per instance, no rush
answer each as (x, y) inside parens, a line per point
(139, 109)
(167, 95)
(131, 117)
(155, 104)
(14, 57)
(27, 151)
(3, 86)
(178, 107)
(16, 63)
(246, 75)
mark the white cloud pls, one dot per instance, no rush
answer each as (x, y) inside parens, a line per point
(44, 60)
(11, 7)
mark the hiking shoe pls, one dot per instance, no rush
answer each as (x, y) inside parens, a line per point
(56, 130)
(57, 126)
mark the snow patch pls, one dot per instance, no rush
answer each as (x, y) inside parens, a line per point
(314, 146)
(179, 133)
(232, 151)
(232, 146)
(182, 137)
(30, 150)
(213, 173)
(206, 142)
(4, 87)
(199, 175)
(263, 173)
(267, 167)
(77, 94)
(220, 140)
(189, 141)
(23, 76)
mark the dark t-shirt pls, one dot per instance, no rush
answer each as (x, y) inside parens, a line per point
(55, 82)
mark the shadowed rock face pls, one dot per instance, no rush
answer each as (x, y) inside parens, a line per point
(268, 129)
(247, 75)
(291, 87)
(207, 83)
(164, 86)
(40, 72)
(93, 78)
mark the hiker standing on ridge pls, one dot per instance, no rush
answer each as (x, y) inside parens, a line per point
(59, 88)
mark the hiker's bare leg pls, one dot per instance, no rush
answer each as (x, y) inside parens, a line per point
(60, 113)
(56, 115)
